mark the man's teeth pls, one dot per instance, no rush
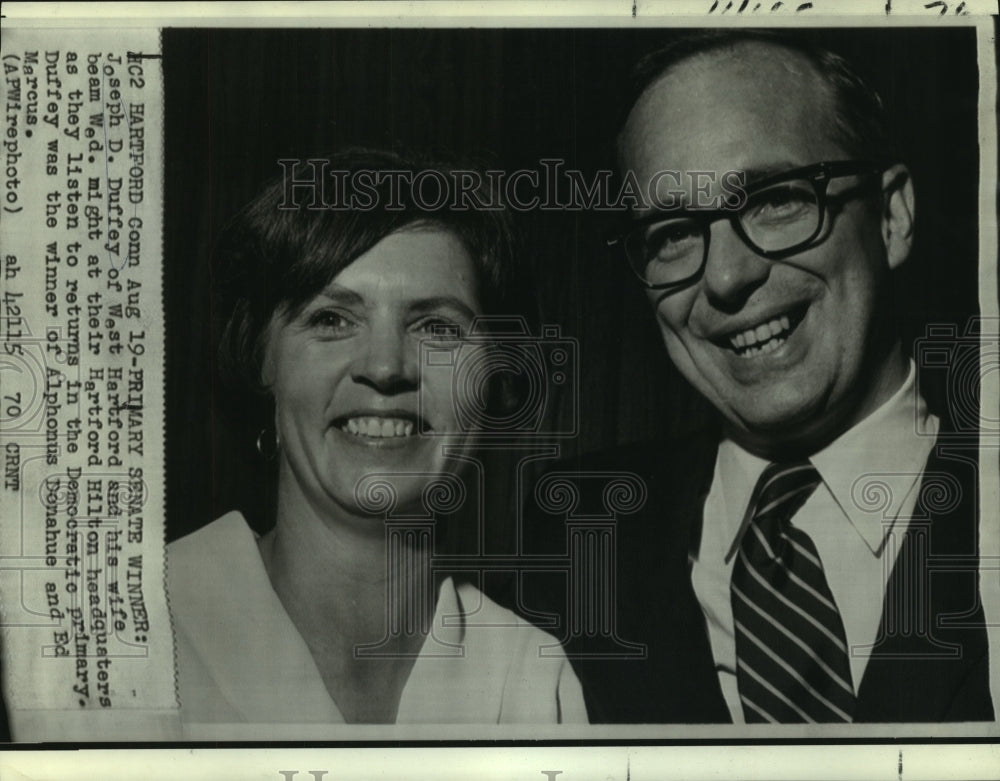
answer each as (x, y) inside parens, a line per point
(379, 427)
(765, 338)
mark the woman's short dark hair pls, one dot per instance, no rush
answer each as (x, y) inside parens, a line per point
(288, 244)
(862, 126)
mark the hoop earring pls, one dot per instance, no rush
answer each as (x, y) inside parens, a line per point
(268, 449)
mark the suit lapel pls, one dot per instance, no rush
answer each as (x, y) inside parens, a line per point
(685, 483)
(929, 662)
(676, 681)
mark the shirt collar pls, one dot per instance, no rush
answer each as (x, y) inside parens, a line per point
(872, 468)
(869, 470)
(216, 573)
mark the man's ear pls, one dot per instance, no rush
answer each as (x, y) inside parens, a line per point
(897, 214)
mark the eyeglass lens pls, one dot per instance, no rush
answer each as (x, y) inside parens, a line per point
(773, 219)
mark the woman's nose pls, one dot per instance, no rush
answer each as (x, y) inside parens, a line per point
(733, 270)
(388, 361)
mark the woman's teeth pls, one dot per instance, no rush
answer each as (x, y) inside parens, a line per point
(378, 427)
(765, 338)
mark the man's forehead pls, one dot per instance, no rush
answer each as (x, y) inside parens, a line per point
(731, 69)
(741, 103)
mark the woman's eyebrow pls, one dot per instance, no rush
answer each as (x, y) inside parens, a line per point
(341, 295)
(437, 303)
(345, 296)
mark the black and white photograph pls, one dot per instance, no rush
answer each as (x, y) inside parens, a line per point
(590, 380)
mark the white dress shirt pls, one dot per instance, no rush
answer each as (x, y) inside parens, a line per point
(870, 480)
(245, 673)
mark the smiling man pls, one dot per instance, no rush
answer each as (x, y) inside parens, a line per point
(776, 311)
(763, 583)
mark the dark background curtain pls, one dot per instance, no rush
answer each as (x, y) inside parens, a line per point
(238, 100)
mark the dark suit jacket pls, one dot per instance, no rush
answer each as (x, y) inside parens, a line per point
(930, 664)
(4, 726)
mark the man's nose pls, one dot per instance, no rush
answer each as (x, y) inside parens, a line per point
(733, 270)
(388, 361)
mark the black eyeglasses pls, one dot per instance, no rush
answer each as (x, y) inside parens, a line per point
(781, 215)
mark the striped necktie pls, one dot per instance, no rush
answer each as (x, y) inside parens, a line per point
(791, 652)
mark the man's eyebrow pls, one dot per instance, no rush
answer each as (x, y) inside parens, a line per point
(757, 173)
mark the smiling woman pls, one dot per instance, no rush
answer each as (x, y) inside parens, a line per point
(345, 374)
(337, 614)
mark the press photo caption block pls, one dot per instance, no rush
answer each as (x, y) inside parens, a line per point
(87, 642)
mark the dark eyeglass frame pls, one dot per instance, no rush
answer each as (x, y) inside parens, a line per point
(818, 174)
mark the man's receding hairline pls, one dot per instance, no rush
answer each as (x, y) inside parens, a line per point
(729, 49)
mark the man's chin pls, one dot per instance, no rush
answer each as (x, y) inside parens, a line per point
(776, 429)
